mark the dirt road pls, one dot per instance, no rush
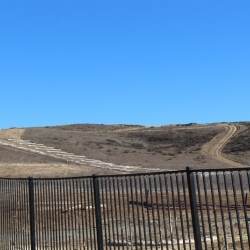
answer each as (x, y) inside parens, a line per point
(214, 147)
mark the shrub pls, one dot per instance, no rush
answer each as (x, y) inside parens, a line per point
(137, 145)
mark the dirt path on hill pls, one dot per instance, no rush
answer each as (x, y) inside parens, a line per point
(214, 147)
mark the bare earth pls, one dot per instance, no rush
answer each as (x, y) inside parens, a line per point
(117, 149)
(214, 147)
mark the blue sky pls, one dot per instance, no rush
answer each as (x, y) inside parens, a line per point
(128, 61)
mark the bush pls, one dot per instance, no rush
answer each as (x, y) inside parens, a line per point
(137, 145)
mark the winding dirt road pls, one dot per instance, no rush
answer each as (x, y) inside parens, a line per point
(214, 147)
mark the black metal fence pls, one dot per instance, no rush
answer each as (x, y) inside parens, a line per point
(189, 209)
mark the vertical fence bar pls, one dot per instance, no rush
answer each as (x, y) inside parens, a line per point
(194, 210)
(229, 208)
(186, 209)
(214, 209)
(237, 210)
(205, 188)
(245, 208)
(138, 212)
(218, 180)
(175, 212)
(98, 212)
(32, 214)
(163, 211)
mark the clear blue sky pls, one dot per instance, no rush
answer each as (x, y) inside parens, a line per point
(124, 61)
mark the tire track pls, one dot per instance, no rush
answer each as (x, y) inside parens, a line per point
(214, 147)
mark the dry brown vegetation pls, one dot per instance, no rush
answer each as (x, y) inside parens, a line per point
(127, 145)
(240, 143)
(165, 147)
(10, 155)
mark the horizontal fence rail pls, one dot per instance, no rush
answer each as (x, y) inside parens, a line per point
(189, 209)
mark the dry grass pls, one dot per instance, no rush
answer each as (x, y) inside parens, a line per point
(164, 147)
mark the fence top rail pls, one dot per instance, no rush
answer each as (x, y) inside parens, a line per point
(14, 179)
(135, 174)
(144, 174)
(41, 179)
(205, 170)
(99, 176)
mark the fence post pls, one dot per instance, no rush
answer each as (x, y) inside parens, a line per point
(98, 212)
(194, 210)
(32, 214)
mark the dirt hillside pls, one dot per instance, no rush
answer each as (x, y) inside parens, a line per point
(85, 149)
